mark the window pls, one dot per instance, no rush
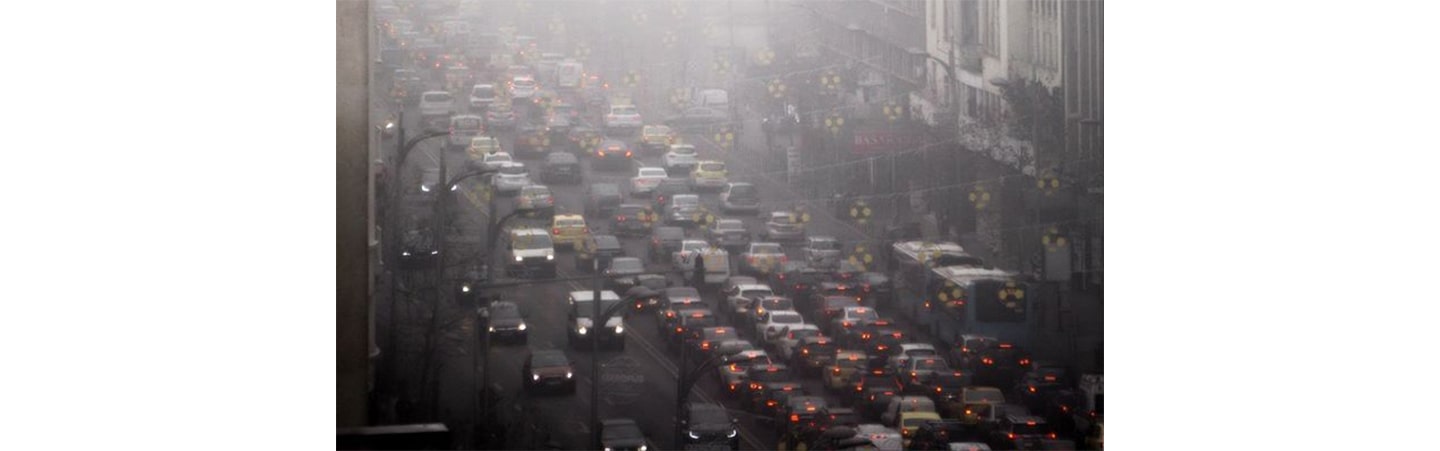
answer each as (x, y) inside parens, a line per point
(990, 27)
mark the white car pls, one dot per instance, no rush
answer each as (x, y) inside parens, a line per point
(688, 250)
(481, 96)
(786, 345)
(436, 103)
(646, 179)
(522, 87)
(738, 299)
(511, 178)
(883, 438)
(681, 158)
(775, 324)
(493, 161)
(901, 361)
(623, 116)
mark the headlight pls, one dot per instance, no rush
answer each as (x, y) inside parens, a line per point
(582, 330)
(550, 256)
(569, 374)
(424, 188)
(522, 326)
(535, 377)
(607, 448)
(405, 254)
(620, 329)
(733, 433)
(519, 258)
(492, 328)
(643, 448)
(694, 436)
(465, 288)
(435, 252)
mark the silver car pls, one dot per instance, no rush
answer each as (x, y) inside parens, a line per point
(783, 225)
(512, 177)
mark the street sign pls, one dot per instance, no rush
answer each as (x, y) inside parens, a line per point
(621, 381)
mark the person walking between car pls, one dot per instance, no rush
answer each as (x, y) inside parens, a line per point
(697, 278)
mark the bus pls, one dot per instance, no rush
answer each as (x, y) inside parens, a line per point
(977, 299)
(568, 74)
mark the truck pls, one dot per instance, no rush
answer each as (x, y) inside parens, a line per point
(569, 73)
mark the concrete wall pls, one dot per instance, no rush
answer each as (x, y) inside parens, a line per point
(352, 209)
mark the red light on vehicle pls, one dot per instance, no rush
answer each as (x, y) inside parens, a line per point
(679, 329)
(704, 345)
(1006, 346)
(1052, 435)
(1024, 362)
(794, 418)
(557, 231)
(628, 154)
(770, 403)
(600, 153)
(939, 389)
(987, 361)
(835, 370)
(1011, 435)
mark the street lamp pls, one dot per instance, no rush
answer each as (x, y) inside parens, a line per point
(402, 150)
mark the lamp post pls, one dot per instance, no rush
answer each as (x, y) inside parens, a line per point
(402, 150)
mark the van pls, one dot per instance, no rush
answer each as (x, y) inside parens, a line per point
(717, 268)
(712, 98)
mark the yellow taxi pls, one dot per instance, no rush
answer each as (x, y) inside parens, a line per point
(657, 138)
(846, 363)
(710, 174)
(910, 422)
(569, 229)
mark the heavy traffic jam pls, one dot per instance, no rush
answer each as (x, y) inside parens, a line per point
(592, 175)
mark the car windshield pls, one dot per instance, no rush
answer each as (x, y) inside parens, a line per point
(863, 314)
(533, 241)
(682, 292)
(535, 190)
(524, 83)
(683, 150)
(570, 222)
(766, 248)
(929, 364)
(654, 282)
(623, 110)
(466, 124)
(742, 191)
(708, 414)
(626, 432)
(766, 375)
(777, 304)
(607, 189)
(712, 167)
(825, 245)
(781, 218)
(652, 172)
(437, 97)
(730, 225)
(692, 245)
(755, 293)
(686, 201)
(627, 265)
(984, 396)
(585, 309)
(916, 422)
(483, 91)
(1027, 429)
(550, 359)
(513, 170)
(670, 233)
(657, 130)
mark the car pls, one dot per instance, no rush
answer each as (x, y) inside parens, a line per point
(531, 252)
(709, 174)
(597, 247)
(846, 363)
(851, 317)
(622, 434)
(620, 276)
(665, 241)
(909, 351)
(761, 304)
(569, 230)
(647, 291)
(829, 308)
(633, 220)
(482, 96)
(1036, 386)
(732, 368)
(464, 128)
(558, 124)
(583, 137)
(505, 323)
(656, 138)
(418, 251)
(919, 372)
(561, 166)
(485, 153)
(709, 423)
(873, 393)
(967, 350)
(674, 299)
(646, 179)
(739, 298)
(602, 198)
(771, 398)
(668, 189)
(801, 415)
(739, 197)
(981, 405)
(731, 346)
(822, 251)
(435, 107)
(681, 158)
(611, 155)
(548, 369)
(775, 324)
(762, 258)
(902, 404)
(808, 350)
(881, 438)
(946, 434)
(531, 142)
(735, 281)
(582, 330)
(782, 226)
(510, 178)
(1020, 432)
(797, 280)
(1001, 365)
(623, 118)
(945, 390)
(688, 250)
(730, 234)
(684, 210)
(687, 321)
(522, 88)
(758, 375)
(831, 288)
(876, 288)
(697, 118)
(500, 116)
(869, 335)
(702, 341)
(535, 200)
(909, 422)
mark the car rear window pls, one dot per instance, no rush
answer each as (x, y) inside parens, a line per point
(437, 97)
(766, 249)
(713, 167)
(570, 222)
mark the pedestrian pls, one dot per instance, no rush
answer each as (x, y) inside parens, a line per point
(698, 277)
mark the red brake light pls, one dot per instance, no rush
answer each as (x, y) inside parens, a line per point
(601, 153)
(620, 218)
(627, 154)
(557, 230)
(794, 418)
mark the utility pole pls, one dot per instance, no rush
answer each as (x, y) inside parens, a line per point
(596, 323)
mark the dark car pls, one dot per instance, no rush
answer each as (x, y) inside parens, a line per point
(548, 369)
(872, 378)
(668, 188)
(1020, 432)
(664, 242)
(797, 280)
(704, 340)
(877, 288)
(620, 276)
(612, 155)
(673, 300)
(774, 395)
(582, 138)
(505, 322)
(649, 289)
(622, 434)
(559, 126)
(937, 435)
(815, 354)
(602, 247)
(709, 424)
(531, 142)
(945, 390)
(602, 198)
(561, 166)
(697, 118)
(1036, 386)
(419, 251)
(685, 321)
(1001, 365)
(633, 220)
(758, 375)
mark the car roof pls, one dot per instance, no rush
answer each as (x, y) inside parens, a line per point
(569, 216)
(606, 241)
